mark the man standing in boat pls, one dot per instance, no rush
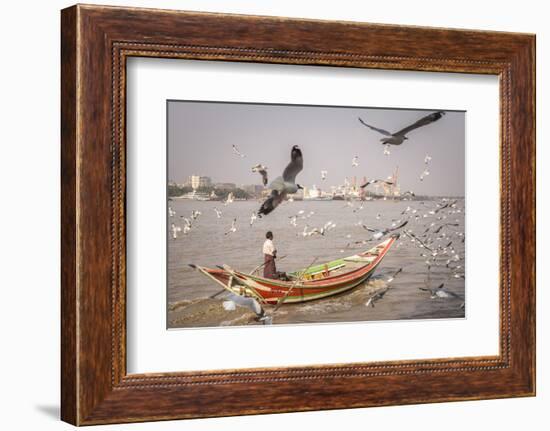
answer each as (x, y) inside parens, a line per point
(270, 254)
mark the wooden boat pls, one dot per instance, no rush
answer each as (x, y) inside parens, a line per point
(316, 282)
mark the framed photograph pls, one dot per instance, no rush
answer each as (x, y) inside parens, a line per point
(268, 215)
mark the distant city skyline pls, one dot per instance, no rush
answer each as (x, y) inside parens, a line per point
(201, 135)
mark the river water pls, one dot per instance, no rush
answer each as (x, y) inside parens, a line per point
(207, 244)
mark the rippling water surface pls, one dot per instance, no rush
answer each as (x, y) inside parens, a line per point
(206, 244)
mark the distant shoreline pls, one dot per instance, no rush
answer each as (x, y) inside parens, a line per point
(396, 199)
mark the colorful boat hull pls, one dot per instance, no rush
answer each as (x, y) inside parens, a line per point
(313, 283)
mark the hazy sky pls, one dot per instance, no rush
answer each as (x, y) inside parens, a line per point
(200, 136)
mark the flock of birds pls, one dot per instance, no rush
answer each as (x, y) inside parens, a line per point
(436, 243)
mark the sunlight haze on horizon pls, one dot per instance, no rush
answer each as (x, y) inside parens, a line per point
(201, 135)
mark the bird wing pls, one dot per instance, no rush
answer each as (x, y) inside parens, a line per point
(237, 152)
(369, 229)
(413, 236)
(293, 168)
(382, 131)
(398, 227)
(424, 121)
(263, 173)
(277, 184)
(397, 272)
(271, 202)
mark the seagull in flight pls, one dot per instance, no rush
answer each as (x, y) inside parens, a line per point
(324, 175)
(233, 227)
(443, 225)
(392, 277)
(376, 297)
(369, 182)
(417, 240)
(399, 137)
(355, 162)
(253, 218)
(439, 292)
(237, 152)
(408, 192)
(175, 230)
(262, 170)
(424, 174)
(229, 199)
(284, 185)
(379, 233)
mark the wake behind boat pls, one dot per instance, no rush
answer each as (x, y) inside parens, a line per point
(307, 284)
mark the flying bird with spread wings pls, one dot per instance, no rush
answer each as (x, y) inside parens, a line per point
(399, 137)
(284, 185)
(262, 170)
(376, 181)
(237, 152)
(379, 233)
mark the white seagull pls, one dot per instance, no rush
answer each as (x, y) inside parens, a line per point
(233, 227)
(253, 218)
(237, 152)
(175, 230)
(379, 233)
(230, 198)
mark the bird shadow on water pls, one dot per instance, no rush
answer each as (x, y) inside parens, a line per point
(52, 411)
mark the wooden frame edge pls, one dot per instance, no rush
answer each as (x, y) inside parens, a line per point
(110, 390)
